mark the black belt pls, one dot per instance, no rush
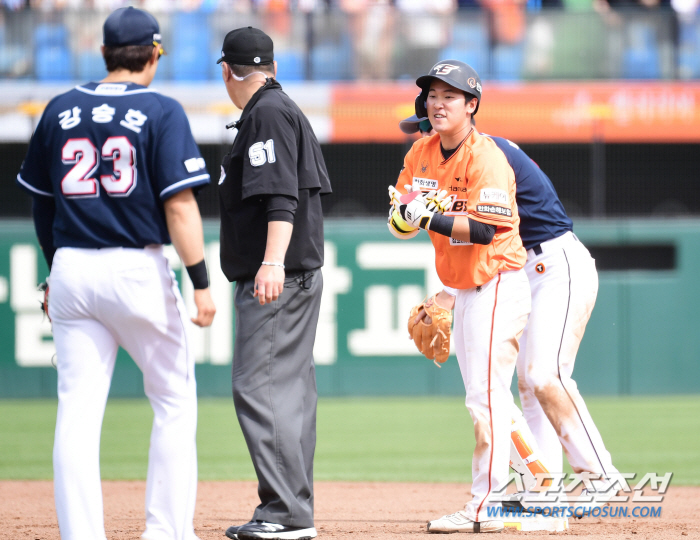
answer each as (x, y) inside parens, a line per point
(538, 248)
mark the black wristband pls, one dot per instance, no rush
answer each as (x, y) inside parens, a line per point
(442, 224)
(198, 275)
(481, 233)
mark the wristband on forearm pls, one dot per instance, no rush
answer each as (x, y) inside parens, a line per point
(442, 224)
(198, 275)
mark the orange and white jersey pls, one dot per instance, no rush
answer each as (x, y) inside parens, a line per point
(479, 176)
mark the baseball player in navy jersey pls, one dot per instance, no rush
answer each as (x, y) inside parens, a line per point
(112, 167)
(564, 284)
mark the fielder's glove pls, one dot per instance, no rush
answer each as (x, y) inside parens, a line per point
(44, 287)
(432, 333)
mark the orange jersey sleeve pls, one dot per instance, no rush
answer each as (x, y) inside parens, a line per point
(491, 186)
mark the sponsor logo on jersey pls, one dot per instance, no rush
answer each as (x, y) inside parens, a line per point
(458, 207)
(424, 184)
(491, 195)
(423, 166)
(110, 89)
(539, 268)
(461, 189)
(492, 209)
(194, 164)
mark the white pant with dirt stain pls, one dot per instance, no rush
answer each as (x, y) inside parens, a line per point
(488, 322)
(101, 299)
(564, 285)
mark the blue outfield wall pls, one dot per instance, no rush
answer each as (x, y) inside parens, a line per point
(643, 336)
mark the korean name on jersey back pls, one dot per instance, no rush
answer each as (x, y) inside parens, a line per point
(111, 141)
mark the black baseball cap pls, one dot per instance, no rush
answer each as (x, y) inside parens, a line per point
(130, 26)
(455, 73)
(247, 47)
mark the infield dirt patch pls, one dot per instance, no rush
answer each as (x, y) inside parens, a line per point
(344, 510)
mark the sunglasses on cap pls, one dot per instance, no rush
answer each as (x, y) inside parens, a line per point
(424, 126)
(161, 51)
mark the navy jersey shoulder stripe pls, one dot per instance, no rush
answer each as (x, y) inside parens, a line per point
(26, 185)
(542, 215)
(202, 179)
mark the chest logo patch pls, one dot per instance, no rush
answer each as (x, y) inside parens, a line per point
(424, 184)
(424, 166)
(539, 268)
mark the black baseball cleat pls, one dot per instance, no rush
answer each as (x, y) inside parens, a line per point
(273, 531)
(232, 531)
(514, 505)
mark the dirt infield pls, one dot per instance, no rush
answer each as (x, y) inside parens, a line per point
(382, 511)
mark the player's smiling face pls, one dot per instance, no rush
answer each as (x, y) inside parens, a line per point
(446, 106)
(448, 109)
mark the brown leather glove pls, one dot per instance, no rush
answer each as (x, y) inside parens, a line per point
(432, 333)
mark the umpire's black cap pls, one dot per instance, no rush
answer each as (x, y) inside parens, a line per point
(455, 73)
(130, 26)
(247, 47)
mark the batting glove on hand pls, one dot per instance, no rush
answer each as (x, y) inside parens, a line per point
(435, 201)
(412, 207)
(440, 202)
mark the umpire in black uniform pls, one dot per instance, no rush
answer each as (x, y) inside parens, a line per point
(270, 190)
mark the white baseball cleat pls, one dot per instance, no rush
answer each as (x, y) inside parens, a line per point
(459, 522)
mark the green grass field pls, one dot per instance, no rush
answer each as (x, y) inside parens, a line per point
(368, 439)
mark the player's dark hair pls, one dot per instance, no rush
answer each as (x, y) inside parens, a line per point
(131, 58)
(242, 71)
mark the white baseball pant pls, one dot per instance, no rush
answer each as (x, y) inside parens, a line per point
(101, 299)
(564, 285)
(487, 324)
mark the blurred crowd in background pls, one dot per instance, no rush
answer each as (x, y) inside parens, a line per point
(373, 39)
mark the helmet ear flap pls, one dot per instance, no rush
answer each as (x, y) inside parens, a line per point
(421, 106)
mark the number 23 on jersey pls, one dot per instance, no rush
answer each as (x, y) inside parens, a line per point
(80, 182)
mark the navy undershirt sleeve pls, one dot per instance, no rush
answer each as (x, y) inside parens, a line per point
(481, 233)
(43, 212)
(281, 208)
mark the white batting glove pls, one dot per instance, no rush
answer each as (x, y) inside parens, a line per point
(412, 207)
(436, 200)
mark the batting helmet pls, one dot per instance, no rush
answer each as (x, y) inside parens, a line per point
(455, 73)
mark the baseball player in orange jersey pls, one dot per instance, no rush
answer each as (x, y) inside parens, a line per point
(563, 283)
(479, 257)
